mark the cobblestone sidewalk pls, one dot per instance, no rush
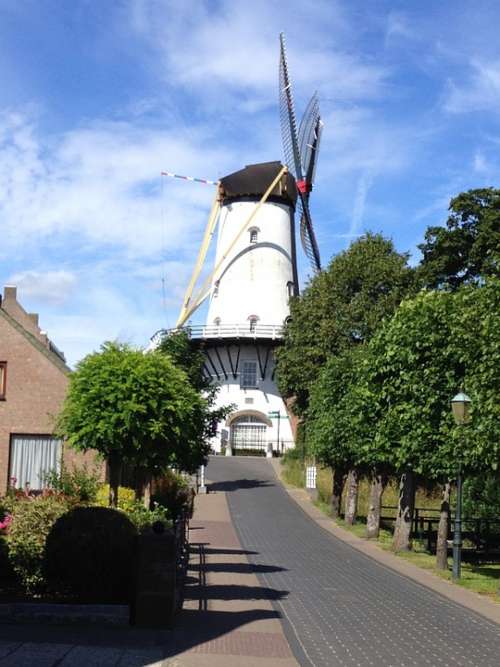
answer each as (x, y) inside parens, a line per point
(228, 617)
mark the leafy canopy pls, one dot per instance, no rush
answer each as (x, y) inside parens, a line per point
(341, 308)
(434, 344)
(467, 249)
(340, 418)
(139, 407)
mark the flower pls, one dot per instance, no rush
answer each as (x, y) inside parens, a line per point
(6, 522)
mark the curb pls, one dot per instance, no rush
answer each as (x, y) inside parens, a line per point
(469, 599)
(59, 614)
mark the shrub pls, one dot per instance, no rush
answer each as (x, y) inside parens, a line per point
(142, 518)
(172, 492)
(89, 554)
(79, 485)
(32, 520)
(126, 497)
(6, 572)
(248, 451)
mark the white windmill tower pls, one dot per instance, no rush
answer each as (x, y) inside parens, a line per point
(254, 277)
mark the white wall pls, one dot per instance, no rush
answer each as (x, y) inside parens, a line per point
(253, 278)
(266, 398)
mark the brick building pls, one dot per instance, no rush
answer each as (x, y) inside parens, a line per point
(33, 384)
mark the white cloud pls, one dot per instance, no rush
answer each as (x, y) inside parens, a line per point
(229, 52)
(480, 164)
(102, 183)
(53, 287)
(481, 92)
(365, 182)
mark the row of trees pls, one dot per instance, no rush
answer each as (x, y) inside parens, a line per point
(376, 348)
(148, 411)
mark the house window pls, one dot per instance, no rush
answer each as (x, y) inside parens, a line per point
(32, 458)
(248, 378)
(254, 235)
(3, 380)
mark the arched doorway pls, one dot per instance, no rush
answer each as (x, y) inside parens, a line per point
(249, 431)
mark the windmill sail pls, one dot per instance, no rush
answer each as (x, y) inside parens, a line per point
(310, 129)
(300, 164)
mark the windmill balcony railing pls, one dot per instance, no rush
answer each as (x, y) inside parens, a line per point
(256, 331)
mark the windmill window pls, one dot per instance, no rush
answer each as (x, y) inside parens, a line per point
(216, 289)
(248, 378)
(217, 321)
(253, 319)
(289, 289)
(254, 235)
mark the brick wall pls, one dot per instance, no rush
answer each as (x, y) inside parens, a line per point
(36, 383)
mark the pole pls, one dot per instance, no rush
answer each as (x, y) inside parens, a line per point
(279, 422)
(457, 533)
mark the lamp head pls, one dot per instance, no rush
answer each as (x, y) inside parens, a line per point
(460, 407)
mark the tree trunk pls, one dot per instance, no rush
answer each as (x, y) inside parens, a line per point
(339, 475)
(115, 471)
(351, 501)
(143, 487)
(406, 506)
(442, 535)
(377, 486)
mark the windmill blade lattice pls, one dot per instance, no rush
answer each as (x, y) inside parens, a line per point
(310, 129)
(292, 153)
(288, 121)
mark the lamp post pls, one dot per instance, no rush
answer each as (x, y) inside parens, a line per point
(460, 407)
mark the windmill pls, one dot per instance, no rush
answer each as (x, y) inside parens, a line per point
(254, 276)
(301, 150)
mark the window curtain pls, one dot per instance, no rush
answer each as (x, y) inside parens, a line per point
(32, 457)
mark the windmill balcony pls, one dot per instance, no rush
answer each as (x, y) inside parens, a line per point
(226, 331)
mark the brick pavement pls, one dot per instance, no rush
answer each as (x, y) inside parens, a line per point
(343, 607)
(228, 616)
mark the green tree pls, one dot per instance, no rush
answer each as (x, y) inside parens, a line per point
(433, 345)
(135, 408)
(467, 249)
(415, 371)
(340, 308)
(185, 354)
(328, 425)
(181, 349)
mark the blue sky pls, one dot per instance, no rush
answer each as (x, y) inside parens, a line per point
(98, 97)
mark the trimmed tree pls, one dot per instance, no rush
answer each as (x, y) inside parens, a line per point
(416, 369)
(135, 408)
(336, 425)
(432, 346)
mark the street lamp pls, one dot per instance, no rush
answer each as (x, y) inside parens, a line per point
(460, 407)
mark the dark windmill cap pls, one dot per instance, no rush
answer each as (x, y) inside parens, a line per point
(250, 183)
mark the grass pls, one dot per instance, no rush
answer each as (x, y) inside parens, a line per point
(481, 578)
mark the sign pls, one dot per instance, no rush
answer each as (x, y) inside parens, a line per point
(311, 477)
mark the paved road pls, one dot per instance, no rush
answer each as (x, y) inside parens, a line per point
(339, 606)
